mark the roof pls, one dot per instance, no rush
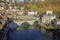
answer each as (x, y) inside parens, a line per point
(49, 7)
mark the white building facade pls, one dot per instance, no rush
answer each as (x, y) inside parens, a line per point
(32, 13)
(48, 17)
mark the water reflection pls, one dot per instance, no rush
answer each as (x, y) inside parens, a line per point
(30, 34)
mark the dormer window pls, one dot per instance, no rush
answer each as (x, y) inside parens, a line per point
(49, 12)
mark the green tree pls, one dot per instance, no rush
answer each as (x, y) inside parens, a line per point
(6, 6)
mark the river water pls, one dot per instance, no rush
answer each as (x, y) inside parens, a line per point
(29, 34)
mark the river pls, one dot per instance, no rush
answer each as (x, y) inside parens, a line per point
(29, 34)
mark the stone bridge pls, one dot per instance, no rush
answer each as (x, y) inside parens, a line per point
(26, 19)
(20, 22)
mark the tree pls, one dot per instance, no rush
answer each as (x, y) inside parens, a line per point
(6, 6)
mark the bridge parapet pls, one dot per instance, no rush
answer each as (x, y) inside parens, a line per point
(28, 19)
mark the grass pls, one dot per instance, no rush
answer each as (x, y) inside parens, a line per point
(19, 28)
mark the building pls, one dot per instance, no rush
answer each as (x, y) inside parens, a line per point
(49, 10)
(10, 1)
(26, 1)
(2, 0)
(48, 17)
(32, 12)
(7, 0)
(22, 8)
(2, 5)
(12, 9)
(58, 21)
(33, 0)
